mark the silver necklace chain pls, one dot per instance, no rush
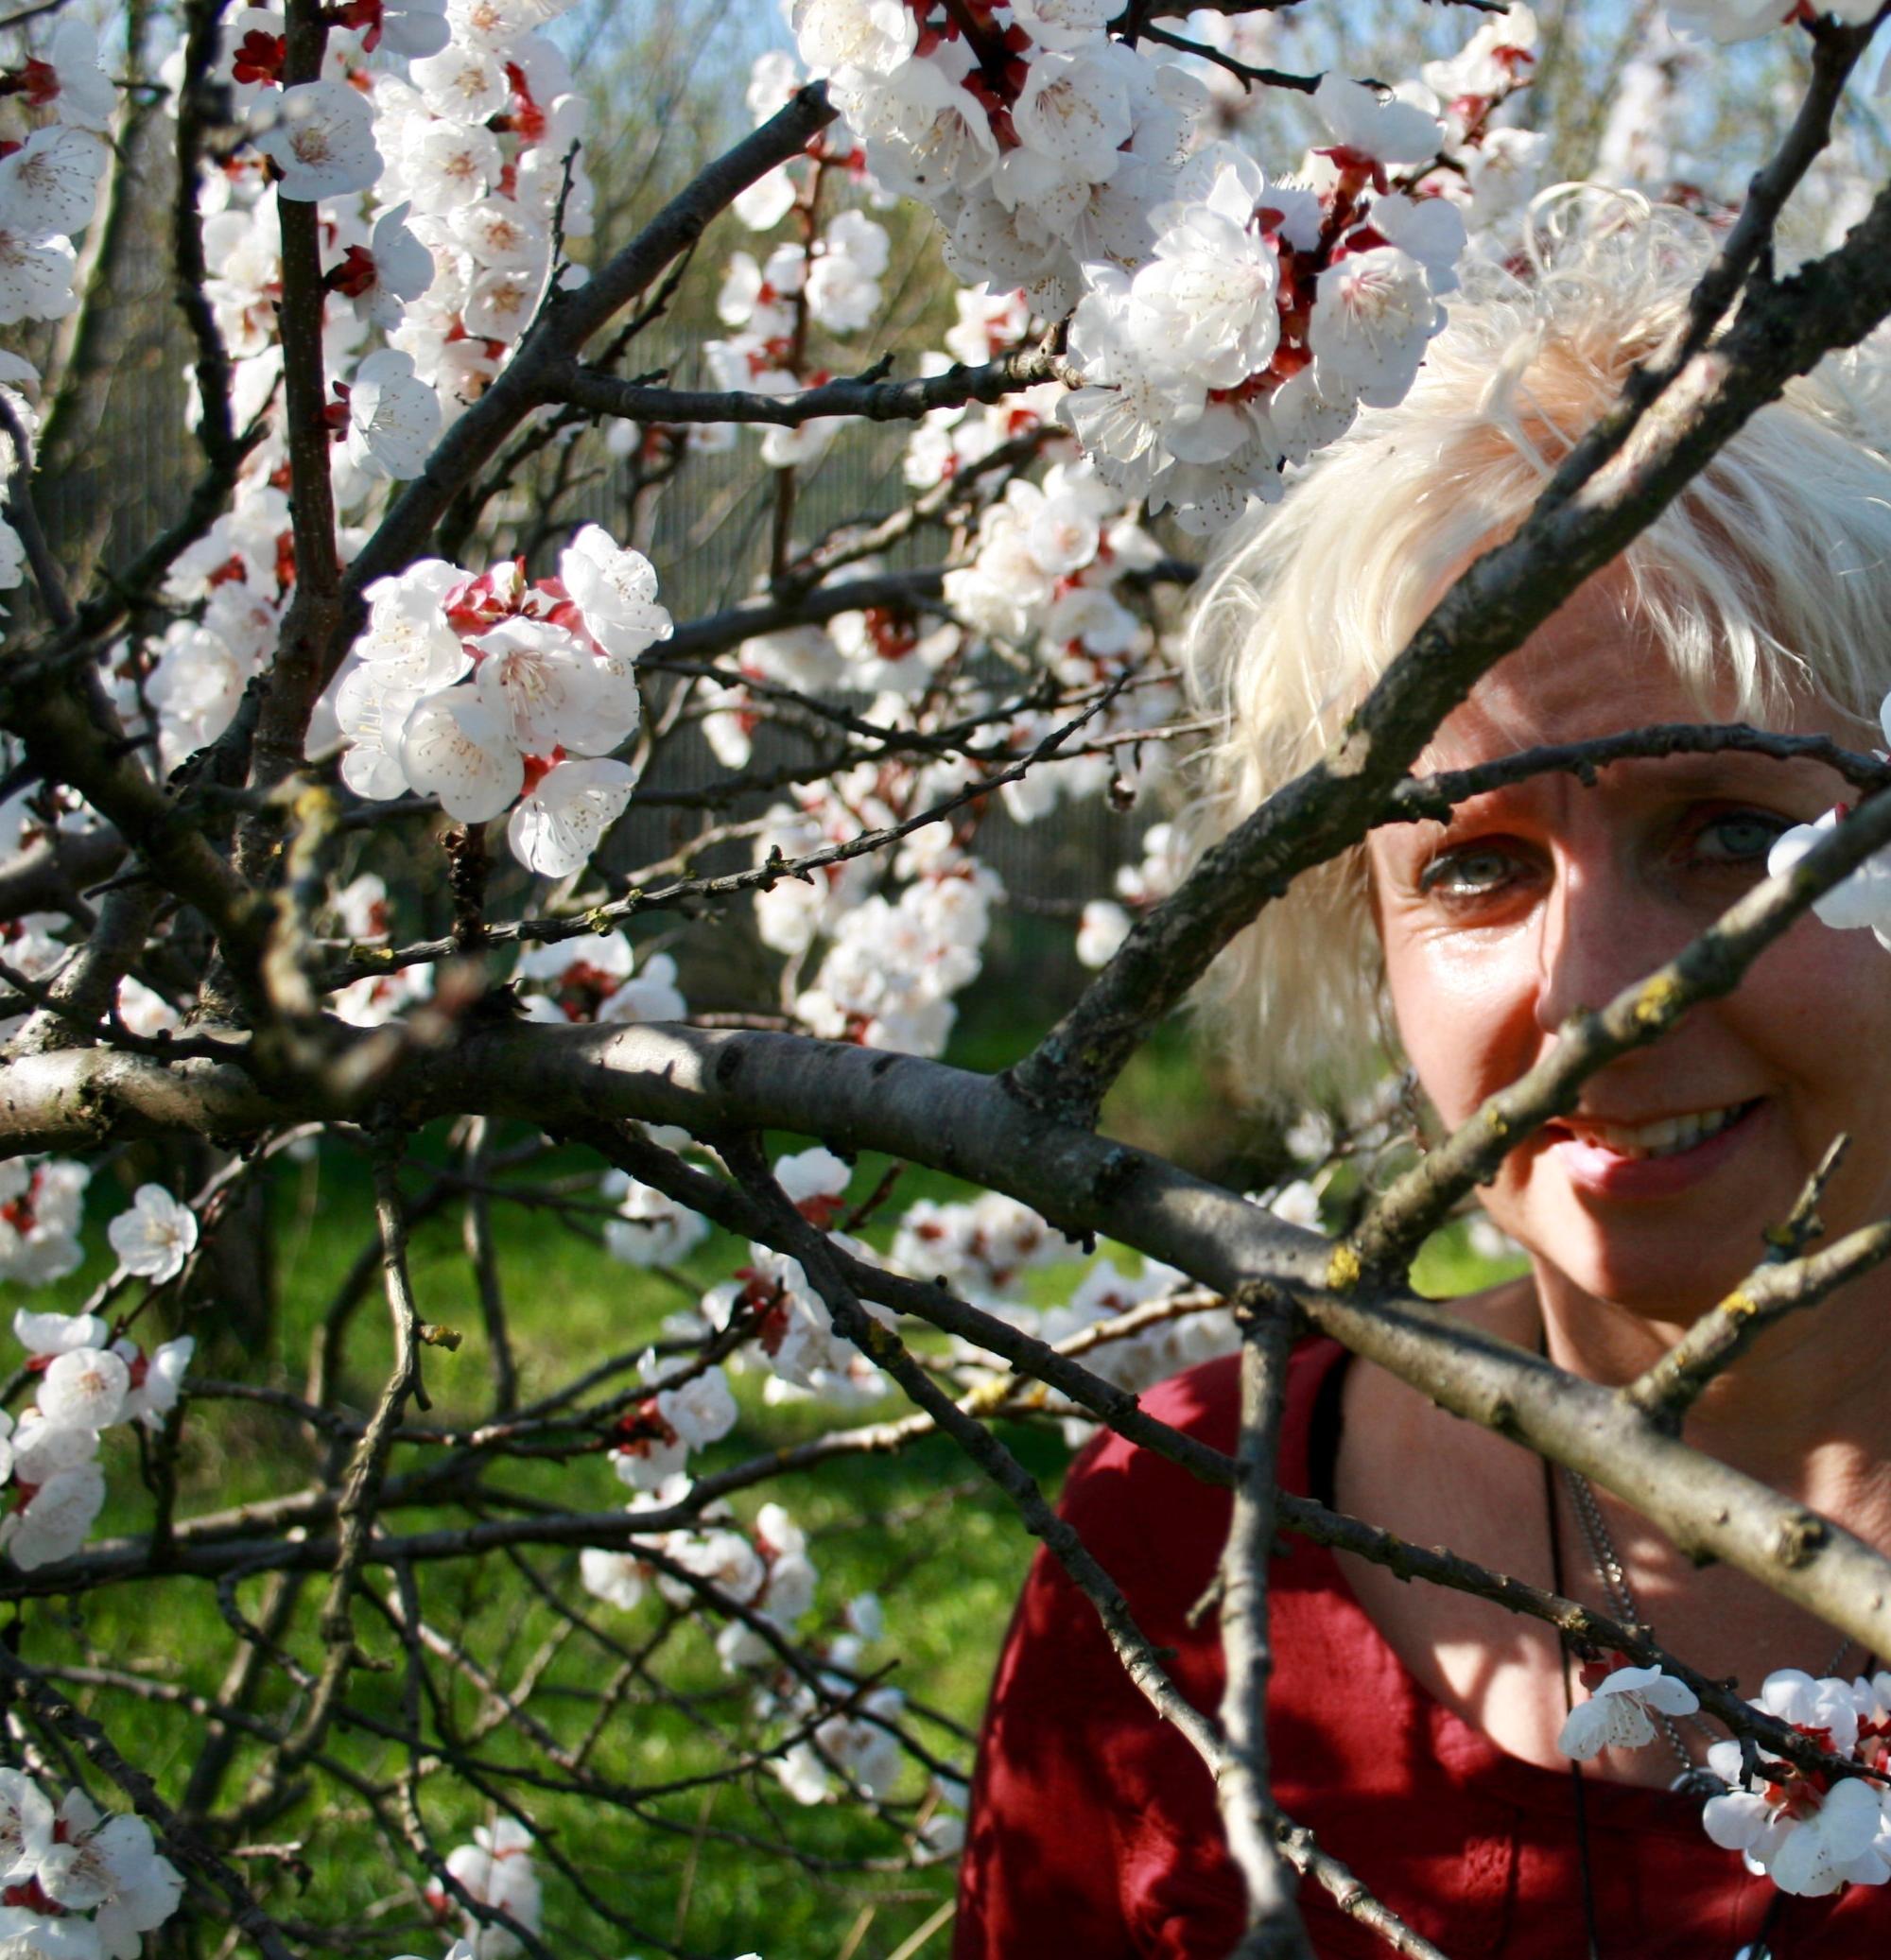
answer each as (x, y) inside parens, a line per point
(1695, 1779)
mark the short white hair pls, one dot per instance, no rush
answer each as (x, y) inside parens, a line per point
(1768, 579)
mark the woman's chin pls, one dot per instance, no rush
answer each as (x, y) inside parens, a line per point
(1654, 1273)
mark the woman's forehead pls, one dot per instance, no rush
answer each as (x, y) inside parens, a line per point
(1597, 667)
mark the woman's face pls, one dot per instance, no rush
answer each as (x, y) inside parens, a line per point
(1543, 899)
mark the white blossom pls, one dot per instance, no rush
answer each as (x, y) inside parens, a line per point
(465, 84)
(155, 1390)
(53, 1523)
(454, 747)
(49, 185)
(109, 1866)
(1074, 109)
(393, 416)
(46, 1334)
(155, 1237)
(873, 35)
(1376, 123)
(615, 591)
(650, 1228)
(1859, 901)
(1104, 927)
(320, 136)
(85, 1388)
(35, 275)
(1615, 1714)
(496, 1870)
(615, 1577)
(85, 97)
(700, 1411)
(561, 822)
(1373, 317)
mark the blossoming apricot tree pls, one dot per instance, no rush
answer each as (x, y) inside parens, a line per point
(256, 896)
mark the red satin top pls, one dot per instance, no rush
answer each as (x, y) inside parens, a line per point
(1093, 1829)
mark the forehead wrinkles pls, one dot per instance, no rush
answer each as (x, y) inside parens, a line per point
(1595, 667)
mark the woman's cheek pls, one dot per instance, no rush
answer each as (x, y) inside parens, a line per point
(1466, 1019)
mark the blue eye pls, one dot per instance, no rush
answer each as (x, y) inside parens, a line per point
(1741, 837)
(1471, 871)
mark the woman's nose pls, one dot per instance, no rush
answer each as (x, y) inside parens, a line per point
(1601, 930)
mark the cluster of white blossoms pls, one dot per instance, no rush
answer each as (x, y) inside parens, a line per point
(438, 190)
(980, 1249)
(50, 183)
(761, 1580)
(654, 1439)
(495, 1870)
(42, 1200)
(1223, 324)
(88, 1381)
(1809, 1832)
(76, 1882)
(985, 1250)
(494, 693)
(461, 153)
(891, 965)
(793, 1338)
(828, 278)
(89, 1378)
(49, 193)
(1047, 557)
(1104, 923)
(596, 978)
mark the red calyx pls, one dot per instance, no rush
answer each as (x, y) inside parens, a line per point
(259, 57)
(645, 1424)
(1361, 239)
(360, 14)
(1356, 169)
(37, 80)
(538, 768)
(355, 274)
(583, 990)
(526, 119)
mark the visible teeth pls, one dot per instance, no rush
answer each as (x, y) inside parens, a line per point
(1666, 1139)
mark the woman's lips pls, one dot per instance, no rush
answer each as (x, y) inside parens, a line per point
(1595, 1170)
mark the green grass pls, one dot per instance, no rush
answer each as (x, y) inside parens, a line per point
(941, 1549)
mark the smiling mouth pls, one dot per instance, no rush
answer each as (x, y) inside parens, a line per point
(1667, 1137)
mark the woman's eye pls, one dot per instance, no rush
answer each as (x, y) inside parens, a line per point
(1472, 872)
(1739, 836)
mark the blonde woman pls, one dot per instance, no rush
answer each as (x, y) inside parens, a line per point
(1413, 1729)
